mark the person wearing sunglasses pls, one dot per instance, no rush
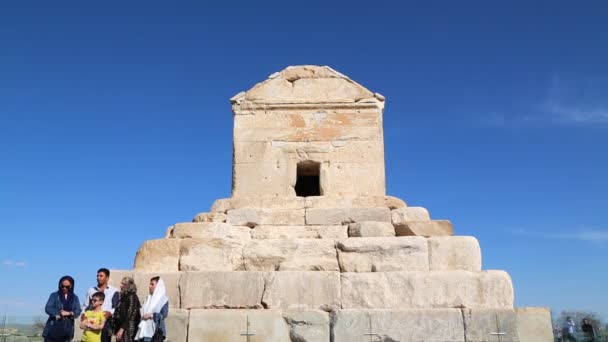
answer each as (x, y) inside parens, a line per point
(62, 306)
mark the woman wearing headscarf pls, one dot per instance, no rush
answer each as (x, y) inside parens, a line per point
(62, 306)
(127, 313)
(155, 311)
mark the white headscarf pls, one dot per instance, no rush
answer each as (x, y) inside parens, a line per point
(153, 304)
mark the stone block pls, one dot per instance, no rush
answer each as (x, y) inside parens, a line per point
(228, 325)
(269, 202)
(230, 290)
(290, 255)
(409, 214)
(307, 325)
(434, 289)
(177, 325)
(160, 255)
(243, 217)
(218, 230)
(335, 216)
(482, 323)
(363, 201)
(371, 229)
(210, 217)
(299, 232)
(211, 255)
(171, 279)
(534, 324)
(302, 290)
(253, 217)
(281, 217)
(454, 253)
(407, 253)
(426, 228)
(413, 325)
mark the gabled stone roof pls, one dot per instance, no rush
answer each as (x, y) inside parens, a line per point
(308, 84)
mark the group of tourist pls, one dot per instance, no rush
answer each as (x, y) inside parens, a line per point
(107, 311)
(566, 333)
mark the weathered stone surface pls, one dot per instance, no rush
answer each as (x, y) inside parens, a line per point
(290, 255)
(481, 323)
(268, 202)
(403, 215)
(298, 85)
(243, 217)
(218, 230)
(232, 290)
(177, 325)
(211, 255)
(334, 216)
(252, 217)
(302, 290)
(371, 229)
(171, 279)
(228, 325)
(534, 324)
(454, 253)
(307, 325)
(434, 289)
(158, 255)
(427, 228)
(408, 253)
(299, 232)
(363, 201)
(210, 217)
(411, 325)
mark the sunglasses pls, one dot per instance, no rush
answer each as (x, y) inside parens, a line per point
(66, 286)
(97, 300)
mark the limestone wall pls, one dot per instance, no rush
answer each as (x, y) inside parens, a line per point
(308, 114)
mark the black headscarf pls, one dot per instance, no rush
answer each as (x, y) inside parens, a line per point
(67, 303)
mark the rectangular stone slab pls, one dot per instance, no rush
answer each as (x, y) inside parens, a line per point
(290, 255)
(221, 289)
(425, 228)
(302, 290)
(228, 325)
(299, 232)
(411, 325)
(434, 289)
(382, 254)
(454, 253)
(334, 216)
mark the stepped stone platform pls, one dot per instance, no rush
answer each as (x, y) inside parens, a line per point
(310, 248)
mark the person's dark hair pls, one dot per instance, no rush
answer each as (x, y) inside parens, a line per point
(155, 279)
(99, 295)
(68, 278)
(105, 271)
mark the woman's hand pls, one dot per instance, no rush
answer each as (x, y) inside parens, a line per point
(119, 334)
(147, 316)
(64, 313)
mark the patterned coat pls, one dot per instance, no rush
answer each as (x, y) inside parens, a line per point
(127, 315)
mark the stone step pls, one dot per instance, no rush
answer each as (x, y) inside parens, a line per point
(276, 325)
(331, 290)
(433, 289)
(355, 254)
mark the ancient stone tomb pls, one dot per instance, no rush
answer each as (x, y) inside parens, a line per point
(310, 248)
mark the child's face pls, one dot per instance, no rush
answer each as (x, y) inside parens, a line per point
(97, 302)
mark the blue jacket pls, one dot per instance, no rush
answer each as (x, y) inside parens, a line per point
(53, 307)
(159, 318)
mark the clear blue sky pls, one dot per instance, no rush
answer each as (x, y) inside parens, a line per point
(115, 123)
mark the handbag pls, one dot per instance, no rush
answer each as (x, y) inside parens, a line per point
(61, 329)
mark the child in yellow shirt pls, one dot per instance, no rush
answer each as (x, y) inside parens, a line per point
(94, 320)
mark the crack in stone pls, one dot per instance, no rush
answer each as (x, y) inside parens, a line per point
(464, 324)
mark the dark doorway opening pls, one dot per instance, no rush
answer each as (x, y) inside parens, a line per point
(308, 181)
